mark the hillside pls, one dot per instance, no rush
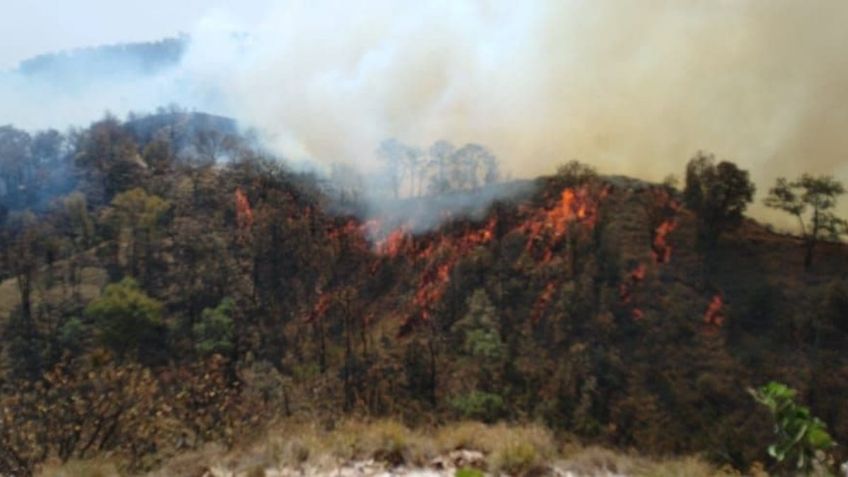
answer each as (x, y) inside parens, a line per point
(583, 303)
(105, 62)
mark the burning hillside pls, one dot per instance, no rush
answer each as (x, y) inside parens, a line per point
(557, 226)
(245, 292)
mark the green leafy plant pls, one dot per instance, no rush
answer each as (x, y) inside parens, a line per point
(215, 331)
(801, 437)
(468, 472)
(128, 321)
(487, 407)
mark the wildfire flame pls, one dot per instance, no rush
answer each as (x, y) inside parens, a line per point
(575, 205)
(396, 242)
(435, 256)
(542, 302)
(625, 290)
(244, 214)
(321, 307)
(714, 315)
(667, 207)
(661, 248)
(444, 254)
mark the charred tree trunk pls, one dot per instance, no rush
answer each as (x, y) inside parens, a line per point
(809, 246)
(431, 351)
(348, 366)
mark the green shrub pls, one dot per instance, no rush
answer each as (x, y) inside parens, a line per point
(479, 405)
(128, 321)
(468, 472)
(801, 437)
(215, 331)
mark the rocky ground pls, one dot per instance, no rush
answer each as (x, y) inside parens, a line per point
(449, 465)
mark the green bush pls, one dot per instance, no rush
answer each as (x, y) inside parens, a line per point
(215, 331)
(479, 405)
(468, 472)
(128, 321)
(801, 437)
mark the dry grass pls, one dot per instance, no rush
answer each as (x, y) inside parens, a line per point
(92, 280)
(307, 446)
(80, 468)
(513, 449)
(592, 460)
(690, 466)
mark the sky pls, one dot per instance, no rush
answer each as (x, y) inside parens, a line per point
(31, 27)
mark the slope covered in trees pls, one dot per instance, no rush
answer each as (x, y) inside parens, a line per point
(587, 303)
(121, 60)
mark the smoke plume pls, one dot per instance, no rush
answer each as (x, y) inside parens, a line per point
(633, 88)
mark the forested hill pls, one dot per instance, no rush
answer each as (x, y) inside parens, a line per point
(108, 61)
(182, 287)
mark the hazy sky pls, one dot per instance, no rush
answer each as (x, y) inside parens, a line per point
(31, 27)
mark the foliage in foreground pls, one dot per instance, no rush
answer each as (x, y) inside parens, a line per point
(801, 437)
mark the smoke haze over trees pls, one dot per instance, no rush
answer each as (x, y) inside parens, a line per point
(628, 88)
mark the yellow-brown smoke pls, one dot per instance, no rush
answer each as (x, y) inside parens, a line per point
(632, 87)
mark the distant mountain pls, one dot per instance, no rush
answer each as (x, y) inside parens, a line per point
(107, 61)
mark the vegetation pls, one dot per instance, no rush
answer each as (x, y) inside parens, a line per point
(718, 194)
(441, 169)
(128, 321)
(812, 201)
(166, 286)
(801, 437)
(296, 446)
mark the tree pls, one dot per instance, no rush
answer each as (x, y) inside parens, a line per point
(108, 159)
(574, 173)
(15, 165)
(79, 231)
(818, 195)
(128, 321)
(485, 352)
(210, 145)
(718, 194)
(22, 250)
(477, 165)
(393, 153)
(137, 218)
(440, 154)
(215, 333)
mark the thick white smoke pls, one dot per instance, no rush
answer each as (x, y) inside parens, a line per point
(631, 87)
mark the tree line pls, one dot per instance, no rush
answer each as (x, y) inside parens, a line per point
(441, 168)
(720, 192)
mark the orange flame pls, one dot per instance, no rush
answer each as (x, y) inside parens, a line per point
(714, 315)
(394, 243)
(667, 209)
(625, 290)
(244, 214)
(661, 248)
(320, 308)
(542, 302)
(436, 275)
(574, 206)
